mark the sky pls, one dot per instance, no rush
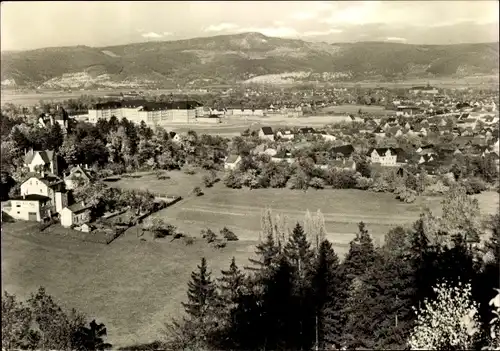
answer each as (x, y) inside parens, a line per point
(30, 25)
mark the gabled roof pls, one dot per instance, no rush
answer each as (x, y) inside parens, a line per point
(47, 156)
(232, 158)
(79, 207)
(345, 150)
(267, 130)
(76, 169)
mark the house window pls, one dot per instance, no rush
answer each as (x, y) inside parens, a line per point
(18, 212)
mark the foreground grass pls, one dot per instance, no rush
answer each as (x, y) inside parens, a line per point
(131, 286)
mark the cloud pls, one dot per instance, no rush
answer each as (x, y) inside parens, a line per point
(278, 23)
(359, 13)
(402, 40)
(220, 27)
(152, 35)
(303, 16)
(278, 31)
(166, 34)
(319, 33)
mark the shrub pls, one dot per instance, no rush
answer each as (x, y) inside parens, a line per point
(233, 180)
(219, 244)
(208, 235)
(363, 183)
(160, 228)
(228, 234)
(317, 183)
(474, 186)
(197, 191)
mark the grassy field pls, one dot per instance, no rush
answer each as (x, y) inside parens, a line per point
(131, 286)
(179, 184)
(134, 287)
(374, 110)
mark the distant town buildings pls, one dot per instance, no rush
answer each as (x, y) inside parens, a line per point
(150, 112)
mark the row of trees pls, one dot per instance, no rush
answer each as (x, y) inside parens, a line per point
(40, 324)
(297, 295)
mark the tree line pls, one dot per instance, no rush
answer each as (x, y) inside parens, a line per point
(412, 292)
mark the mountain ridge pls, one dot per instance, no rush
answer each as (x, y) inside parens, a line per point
(239, 57)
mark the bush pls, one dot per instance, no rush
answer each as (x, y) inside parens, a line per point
(474, 185)
(160, 228)
(208, 235)
(233, 180)
(197, 191)
(228, 234)
(317, 183)
(219, 244)
(406, 195)
(363, 183)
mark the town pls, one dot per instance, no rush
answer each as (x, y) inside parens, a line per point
(250, 176)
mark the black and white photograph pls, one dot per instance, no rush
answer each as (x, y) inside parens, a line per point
(250, 175)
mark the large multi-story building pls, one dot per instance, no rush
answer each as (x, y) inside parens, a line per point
(150, 112)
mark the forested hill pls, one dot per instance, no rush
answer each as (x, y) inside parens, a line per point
(239, 57)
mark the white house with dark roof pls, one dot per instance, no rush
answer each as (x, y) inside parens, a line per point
(387, 156)
(76, 214)
(77, 175)
(49, 186)
(28, 207)
(266, 133)
(232, 162)
(46, 160)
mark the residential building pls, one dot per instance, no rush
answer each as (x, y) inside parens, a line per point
(29, 207)
(342, 152)
(46, 185)
(266, 133)
(77, 175)
(232, 162)
(387, 156)
(38, 161)
(76, 214)
(286, 134)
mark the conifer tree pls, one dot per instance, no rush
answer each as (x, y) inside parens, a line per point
(298, 252)
(198, 328)
(300, 258)
(201, 292)
(361, 254)
(231, 283)
(328, 297)
(267, 252)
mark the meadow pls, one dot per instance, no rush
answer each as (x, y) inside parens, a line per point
(134, 286)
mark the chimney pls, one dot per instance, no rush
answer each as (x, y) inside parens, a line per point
(43, 174)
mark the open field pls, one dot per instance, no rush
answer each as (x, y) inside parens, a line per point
(133, 286)
(179, 184)
(353, 109)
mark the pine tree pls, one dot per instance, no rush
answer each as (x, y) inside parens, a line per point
(300, 258)
(231, 283)
(319, 230)
(361, 254)
(326, 285)
(267, 252)
(201, 292)
(298, 251)
(200, 325)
